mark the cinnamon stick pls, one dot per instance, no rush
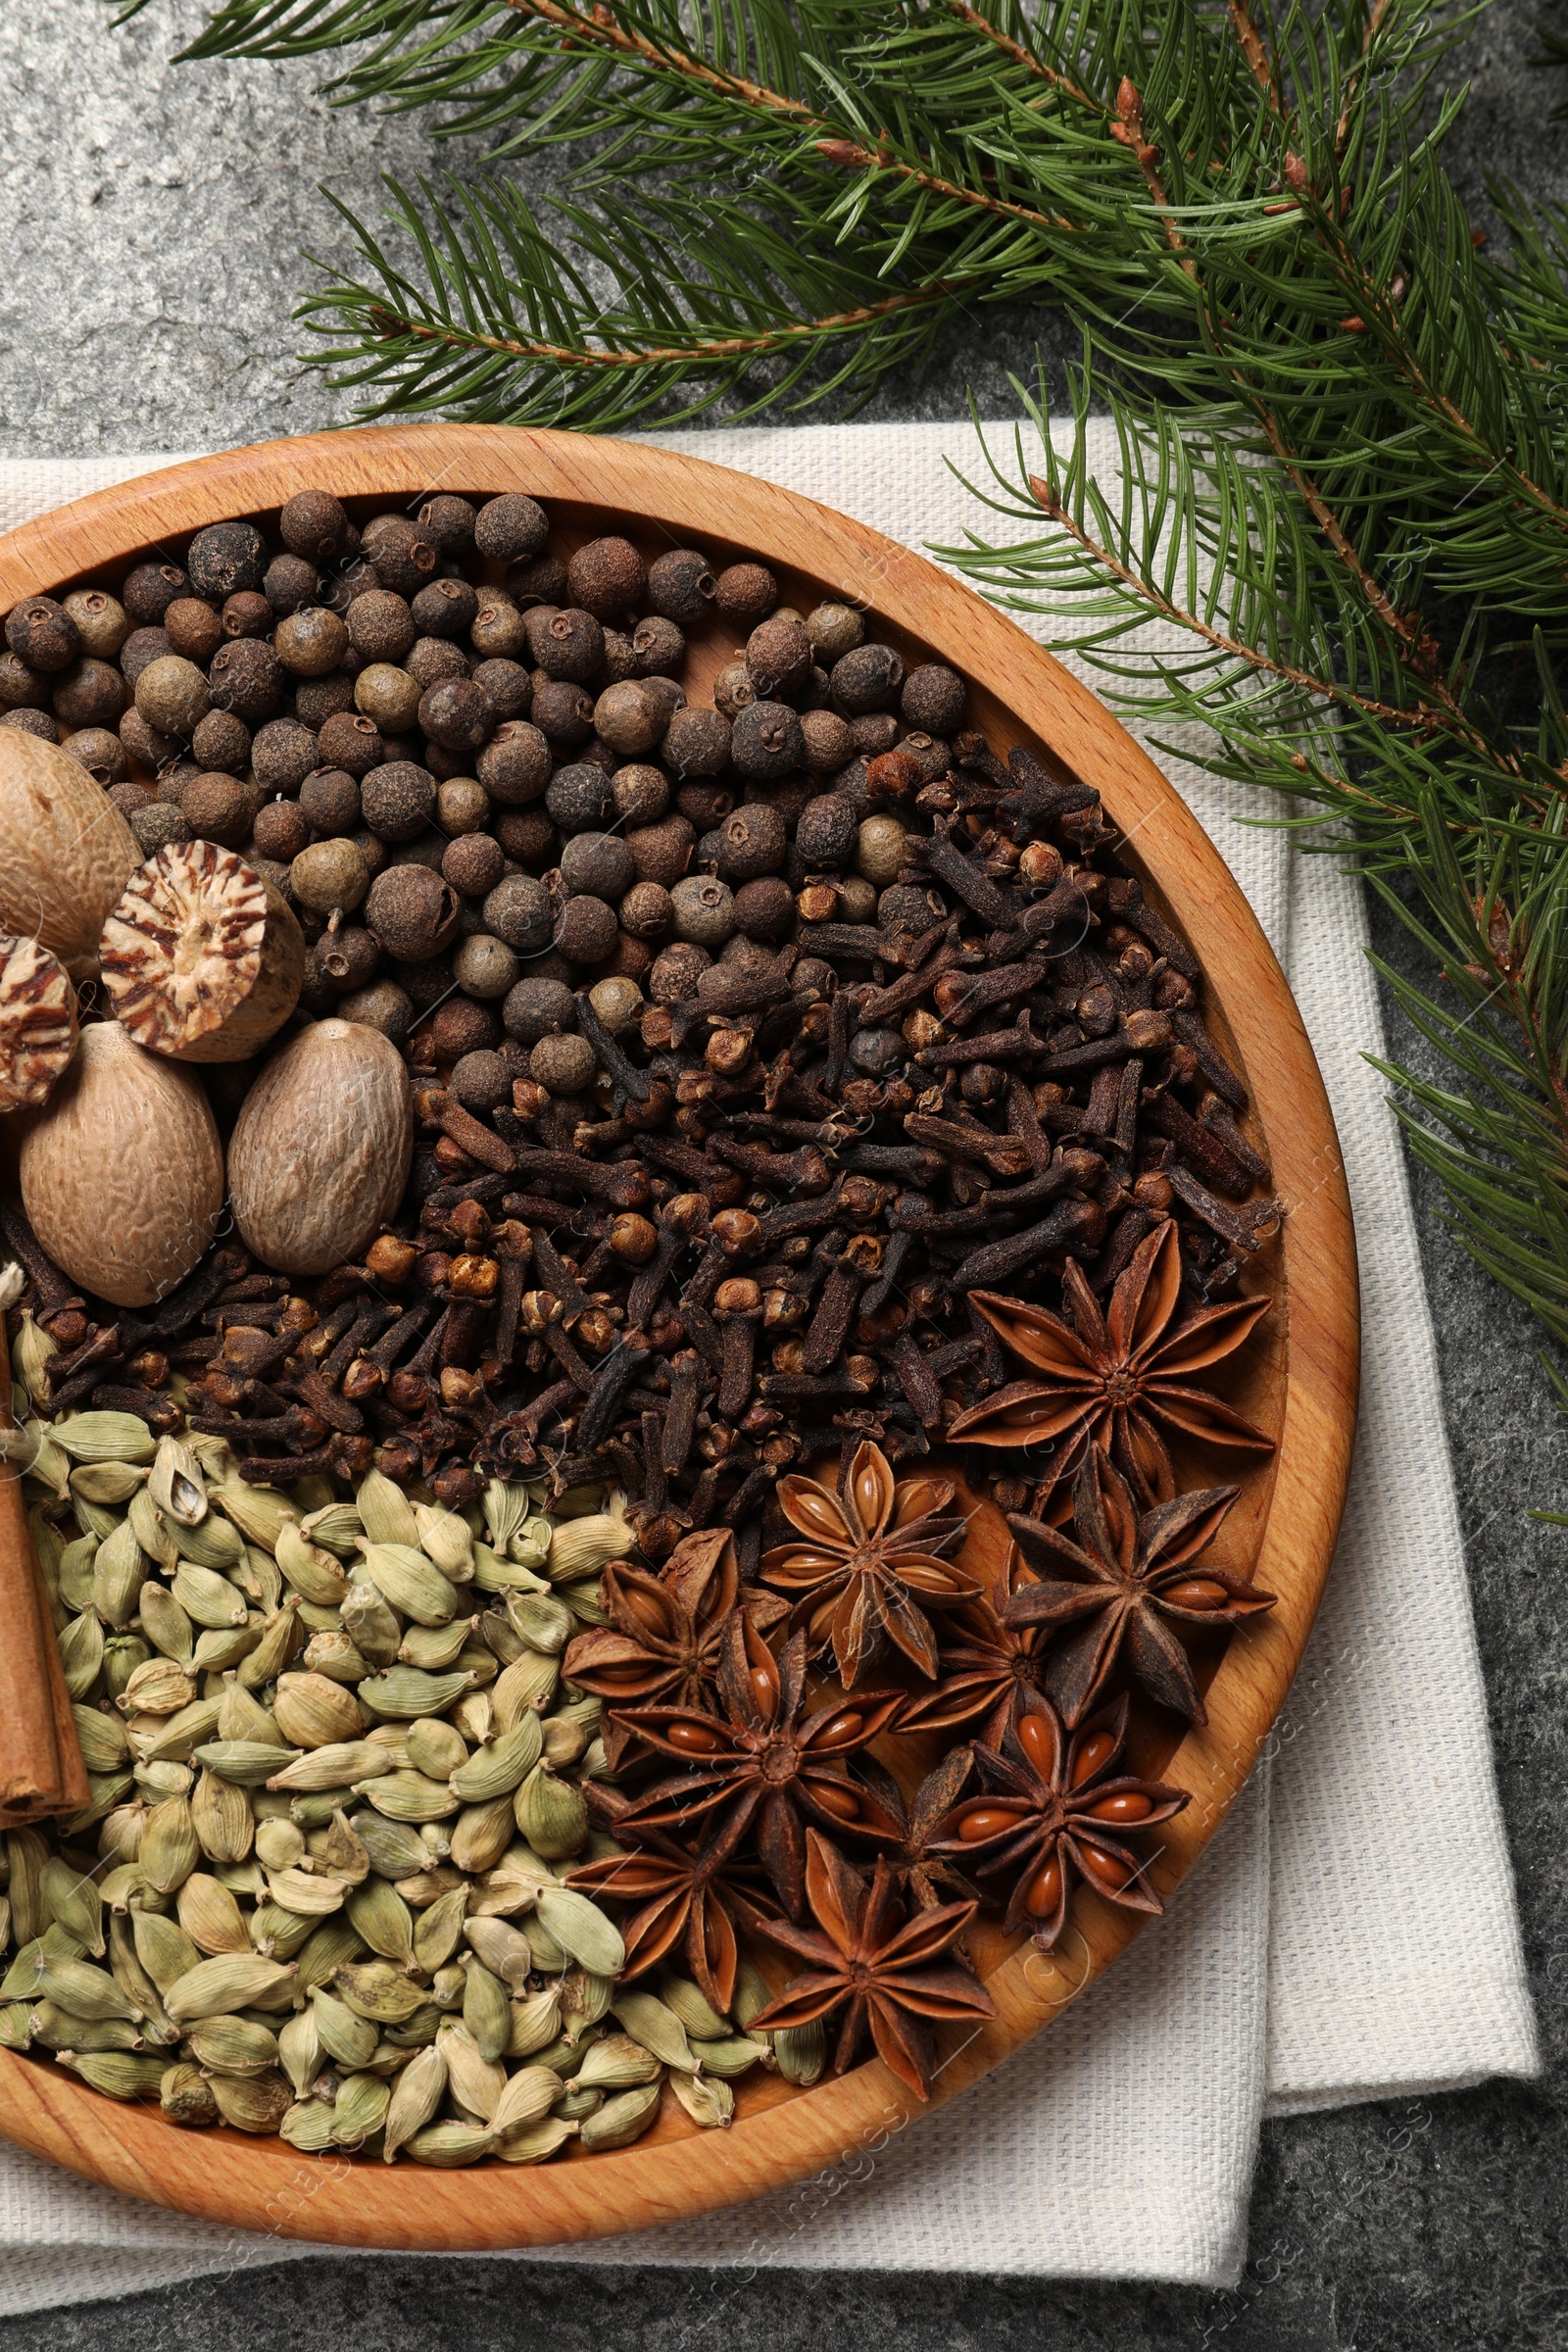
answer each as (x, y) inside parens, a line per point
(41, 1770)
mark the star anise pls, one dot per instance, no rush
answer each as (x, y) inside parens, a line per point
(1054, 1810)
(989, 1669)
(766, 1763)
(1125, 1377)
(690, 1900)
(920, 1873)
(885, 1972)
(1122, 1586)
(868, 1561)
(665, 1632)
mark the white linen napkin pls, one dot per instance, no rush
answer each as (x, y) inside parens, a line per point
(1310, 1960)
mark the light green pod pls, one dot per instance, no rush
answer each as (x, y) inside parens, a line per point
(401, 1694)
(310, 2125)
(208, 1598)
(622, 2119)
(119, 1573)
(360, 2109)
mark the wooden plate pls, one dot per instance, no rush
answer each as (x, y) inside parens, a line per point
(1300, 1381)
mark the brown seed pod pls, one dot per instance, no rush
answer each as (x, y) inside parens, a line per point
(122, 1178)
(202, 959)
(321, 1148)
(37, 1023)
(65, 853)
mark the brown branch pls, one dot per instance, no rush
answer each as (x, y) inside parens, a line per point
(1128, 128)
(1374, 26)
(1255, 51)
(599, 31)
(855, 157)
(1021, 56)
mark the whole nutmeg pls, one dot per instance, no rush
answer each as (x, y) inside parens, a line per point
(682, 586)
(566, 642)
(397, 800)
(641, 793)
(383, 1006)
(313, 525)
(283, 754)
(766, 742)
(411, 913)
(536, 1008)
(933, 698)
(779, 657)
(696, 742)
(606, 577)
(628, 718)
(765, 910)
(388, 695)
(563, 713)
(193, 629)
(224, 557)
(473, 863)
(514, 765)
(563, 1065)
(662, 853)
(456, 713)
(463, 1025)
(66, 854)
(89, 694)
(347, 959)
(646, 911)
(519, 910)
(511, 528)
(329, 801)
(328, 875)
(484, 966)
(321, 1148)
(752, 841)
(380, 625)
(703, 909)
(123, 1182)
(217, 807)
(445, 609)
(310, 642)
(498, 631)
(246, 676)
(586, 931)
(657, 647)
(350, 741)
(149, 590)
(745, 594)
(580, 798)
(202, 959)
(867, 679)
(102, 622)
(481, 1081)
(835, 630)
(880, 850)
(599, 865)
(618, 1004)
(172, 695)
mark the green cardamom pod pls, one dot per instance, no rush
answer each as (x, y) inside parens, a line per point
(76, 1575)
(280, 1636)
(695, 2010)
(151, 1530)
(261, 1513)
(347, 2038)
(339, 1528)
(221, 1817)
(213, 1543)
(232, 2045)
(229, 1980)
(57, 2030)
(621, 2118)
(209, 1916)
(410, 1796)
(535, 2144)
(581, 1929)
(376, 1989)
(435, 1646)
(502, 1766)
(410, 1584)
(486, 2011)
(117, 2074)
(101, 1738)
(249, 1763)
(253, 2103)
(312, 1571)
(84, 1990)
(417, 2094)
(169, 1848)
(81, 1652)
(381, 1918)
(394, 1846)
(544, 1622)
(119, 1573)
(358, 2110)
(186, 2096)
(75, 1903)
(731, 2056)
(405, 1692)
(166, 1623)
(299, 2049)
(437, 1930)
(208, 1598)
(183, 1734)
(385, 1511)
(535, 2024)
(106, 1438)
(112, 1482)
(374, 1627)
(177, 1482)
(552, 1814)
(657, 2027)
(310, 2125)
(481, 1834)
(525, 1687)
(446, 1539)
(712, 2104)
(436, 1748)
(618, 2063)
(449, 2145)
(475, 2081)
(221, 1646)
(164, 1949)
(157, 1687)
(801, 2052)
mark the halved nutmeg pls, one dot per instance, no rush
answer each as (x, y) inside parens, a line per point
(202, 959)
(37, 1023)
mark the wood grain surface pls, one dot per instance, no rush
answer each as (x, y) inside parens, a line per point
(1300, 1380)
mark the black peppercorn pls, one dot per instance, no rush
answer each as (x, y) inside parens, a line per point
(606, 577)
(449, 522)
(217, 807)
(514, 765)
(247, 614)
(397, 800)
(498, 631)
(681, 586)
(348, 956)
(380, 625)
(566, 642)
(157, 825)
(150, 590)
(329, 801)
(597, 865)
(283, 754)
(20, 688)
(291, 581)
(507, 686)
(193, 628)
(313, 525)
(511, 529)
(745, 594)
(580, 798)
(410, 913)
(586, 931)
(752, 841)
(563, 711)
(462, 1026)
(32, 722)
(282, 829)
(527, 836)
(430, 658)
(99, 752)
(226, 557)
(445, 609)
(518, 911)
(403, 557)
(659, 647)
(350, 740)
(473, 863)
(141, 649)
(456, 713)
(766, 740)
(317, 700)
(867, 679)
(543, 581)
(696, 742)
(778, 658)
(89, 694)
(534, 1009)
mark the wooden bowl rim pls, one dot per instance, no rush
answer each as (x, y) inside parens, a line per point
(265, 2185)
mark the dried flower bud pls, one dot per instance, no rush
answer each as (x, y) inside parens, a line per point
(728, 1051)
(738, 1296)
(390, 1260)
(632, 1239)
(539, 1310)
(1148, 1031)
(473, 1276)
(736, 1231)
(459, 1387)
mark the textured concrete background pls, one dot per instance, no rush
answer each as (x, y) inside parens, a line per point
(152, 219)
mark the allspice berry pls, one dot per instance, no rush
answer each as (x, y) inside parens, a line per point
(380, 625)
(933, 698)
(172, 696)
(485, 966)
(580, 798)
(618, 1004)
(628, 718)
(473, 863)
(313, 523)
(148, 592)
(481, 1081)
(329, 874)
(388, 694)
(867, 679)
(310, 642)
(89, 694)
(463, 1025)
(825, 834)
(382, 1005)
(317, 700)
(347, 958)
(518, 911)
(102, 622)
(586, 930)
(542, 581)
(511, 528)
(282, 830)
(880, 850)
(145, 746)
(662, 852)
(745, 594)
(448, 521)
(703, 909)
(397, 800)
(221, 741)
(22, 688)
(696, 742)
(158, 825)
(289, 581)
(514, 765)
(682, 586)
(752, 841)
(429, 659)
(217, 807)
(566, 642)
(100, 753)
(779, 657)
(564, 712)
(403, 557)
(641, 793)
(193, 628)
(282, 756)
(329, 801)
(563, 1065)
(676, 971)
(606, 577)
(141, 649)
(246, 677)
(226, 557)
(456, 713)
(597, 865)
(498, 631)
(43, 633)
(507, 685)
(445, 609)
(835, 630)
(247, 613)
(765, 910)
(462, 806)
(657, 647)
(829, 744)
(766, 742)
(411, 913)
(646, 912)
(527, 836)
(536, 1008)
(351, 741)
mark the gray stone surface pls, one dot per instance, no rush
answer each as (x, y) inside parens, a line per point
(152, 217)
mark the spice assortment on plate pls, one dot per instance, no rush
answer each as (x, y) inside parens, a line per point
(524, 1183)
